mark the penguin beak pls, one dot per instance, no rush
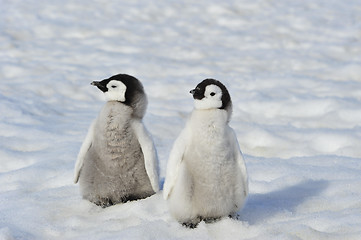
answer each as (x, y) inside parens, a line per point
(196, 94)
(99, 85)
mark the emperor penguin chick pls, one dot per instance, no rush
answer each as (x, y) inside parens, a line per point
(117, 161)
(206, 175)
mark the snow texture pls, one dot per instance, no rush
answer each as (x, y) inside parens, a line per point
(293, 69)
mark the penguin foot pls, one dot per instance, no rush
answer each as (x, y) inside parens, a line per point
(193, 223)
(234, 216)
(211, 219)
(104, 202)
(190, 225)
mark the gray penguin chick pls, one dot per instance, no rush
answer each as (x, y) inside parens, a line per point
(117, 161)
(206, 175)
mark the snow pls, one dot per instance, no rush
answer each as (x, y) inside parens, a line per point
(293, 69)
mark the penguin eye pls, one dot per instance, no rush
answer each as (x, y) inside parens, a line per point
(113, 86)
(212, 94)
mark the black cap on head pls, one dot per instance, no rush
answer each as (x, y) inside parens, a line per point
(134, 96)
(133, 85)
(198, 92)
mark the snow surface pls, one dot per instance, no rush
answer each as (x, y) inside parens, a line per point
(293, 69)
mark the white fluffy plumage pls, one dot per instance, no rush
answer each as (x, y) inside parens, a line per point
(206, 173)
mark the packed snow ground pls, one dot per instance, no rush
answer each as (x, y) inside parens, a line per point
(293, 69)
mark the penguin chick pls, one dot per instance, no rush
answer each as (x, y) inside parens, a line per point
(117, 161)
(206, 175)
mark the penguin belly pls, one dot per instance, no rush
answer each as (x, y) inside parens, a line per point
(213, 182)
(114, 169)
(212, 165)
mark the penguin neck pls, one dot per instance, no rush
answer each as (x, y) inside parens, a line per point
(210, 117)
(116, 113)
(118, 107)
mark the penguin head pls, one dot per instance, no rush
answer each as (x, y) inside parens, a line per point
(211, 94)
(125, 89)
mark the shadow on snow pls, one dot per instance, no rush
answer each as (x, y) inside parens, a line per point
(260, 207)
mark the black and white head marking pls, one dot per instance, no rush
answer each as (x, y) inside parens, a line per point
(121, 87)
(125, 89)
(211, 94)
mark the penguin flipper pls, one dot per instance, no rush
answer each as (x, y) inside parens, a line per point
(149, 153)
(174, 162)
(83, 150)
(240, 162)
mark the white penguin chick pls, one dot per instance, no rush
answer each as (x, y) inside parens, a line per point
(117, 161)
(206, 175)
